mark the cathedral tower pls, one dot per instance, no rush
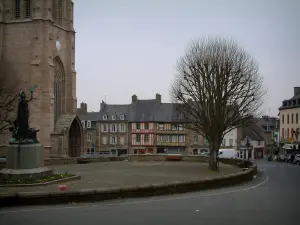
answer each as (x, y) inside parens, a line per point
(37, 39)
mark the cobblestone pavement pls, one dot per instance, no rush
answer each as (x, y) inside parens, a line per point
(120, 174)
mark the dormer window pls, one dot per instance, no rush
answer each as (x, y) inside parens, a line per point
(89, 124)
(114, 117)
(104, 117)
(83, 123)
(122, 117)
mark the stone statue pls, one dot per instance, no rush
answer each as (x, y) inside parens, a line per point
(21, 131)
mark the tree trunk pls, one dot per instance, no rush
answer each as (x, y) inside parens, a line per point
(213, 164)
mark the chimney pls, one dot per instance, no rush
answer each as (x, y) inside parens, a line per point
(158, 98)
(102, 105)
(83, 106)
(296, 91)
(134, 99)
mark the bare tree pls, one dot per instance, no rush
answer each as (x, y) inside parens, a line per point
(9, 85)
(218, 87)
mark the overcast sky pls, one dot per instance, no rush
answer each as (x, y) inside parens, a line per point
(126, 47)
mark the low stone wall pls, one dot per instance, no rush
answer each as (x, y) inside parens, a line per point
(196, 158)
(60, 161)
(36, 198)
(147, 157)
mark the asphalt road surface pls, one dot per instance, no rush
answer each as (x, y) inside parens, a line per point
(272, 198)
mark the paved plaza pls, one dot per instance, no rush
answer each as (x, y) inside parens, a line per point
(120, 174)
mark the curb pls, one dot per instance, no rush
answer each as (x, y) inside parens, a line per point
(76, 177)
(93, 195)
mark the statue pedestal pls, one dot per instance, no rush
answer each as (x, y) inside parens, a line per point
(25, 161)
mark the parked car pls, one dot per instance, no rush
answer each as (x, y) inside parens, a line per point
(297, 159)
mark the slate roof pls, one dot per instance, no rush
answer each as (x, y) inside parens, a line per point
(253, 131)
(141, 111)
(111, 110)
(92, 116)
(152, 111)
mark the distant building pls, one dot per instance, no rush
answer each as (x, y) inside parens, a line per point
(113, 129)
(251, 142)
(145, 126)
(289, 121)
(156, 127)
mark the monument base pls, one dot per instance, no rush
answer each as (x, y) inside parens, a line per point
(25, 174)
(25, 161)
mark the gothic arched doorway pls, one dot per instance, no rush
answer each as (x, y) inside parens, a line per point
(75, 138)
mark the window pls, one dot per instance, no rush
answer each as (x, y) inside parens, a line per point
(282, 133)
(288, 119)
(292, 119)
(181, 115)
(258, 143)
(113, 117)
(180, 127)
(146, 126)
(146, 138)
(282, 119)
(89, 137)
(160, 126)
(224, 142)
(138, 138)
(122, 117)
(230, 142)
(104, 127)
(138, 126)
(181, 138)
(297, 118)
(17, 9)
(104, 140)
(57, 11)
(113, 127)
(88, 124)
(27, 9)
(113, 140)
(174, 138)
(161, 138)
(174, 127)
(167, 138)
(122, 127)
(104, 117)
(83, 123)
(287, 132)
(122, 140)
(195, 139)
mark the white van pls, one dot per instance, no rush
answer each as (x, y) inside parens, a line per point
(227, 153)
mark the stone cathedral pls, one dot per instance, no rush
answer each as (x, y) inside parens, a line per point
(37, 39)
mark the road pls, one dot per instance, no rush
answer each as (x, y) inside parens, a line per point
(272, 198)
